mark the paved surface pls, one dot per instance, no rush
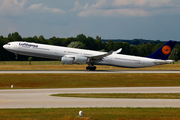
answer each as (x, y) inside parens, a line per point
(39, 98)
(100, 71)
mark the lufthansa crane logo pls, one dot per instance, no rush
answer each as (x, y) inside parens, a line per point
(166, 50)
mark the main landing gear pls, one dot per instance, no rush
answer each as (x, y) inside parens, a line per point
(91, 68)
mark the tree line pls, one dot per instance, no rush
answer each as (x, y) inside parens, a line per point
(82, 41)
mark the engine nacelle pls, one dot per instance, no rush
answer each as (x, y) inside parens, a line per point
(81, 60)
(67, 60)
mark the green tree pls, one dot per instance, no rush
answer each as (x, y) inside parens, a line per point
(98, 38)
(77, 44)
(126, 48)
(99, 43)
(174, 55)
(30, 59)
(91, 44)
(42, 39)
(14, 37)
(35, 38)
(109, 45)
(145, 49)
(81, 38)
(28, 39)
(4, 54)
(118, 45)
(55, 41)
(133, 50)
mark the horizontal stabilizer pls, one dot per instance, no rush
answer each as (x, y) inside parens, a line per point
(160, 62)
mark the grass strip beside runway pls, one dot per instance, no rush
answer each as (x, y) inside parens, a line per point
(28, 81)
(124, 95)
(57, 65)
(91, 114)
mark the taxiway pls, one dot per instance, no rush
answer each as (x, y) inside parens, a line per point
(40, 98)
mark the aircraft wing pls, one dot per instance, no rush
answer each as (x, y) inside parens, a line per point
(100, 57)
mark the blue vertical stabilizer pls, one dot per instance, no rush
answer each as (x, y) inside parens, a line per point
(163, 52)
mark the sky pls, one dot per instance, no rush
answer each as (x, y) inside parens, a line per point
(109, 19)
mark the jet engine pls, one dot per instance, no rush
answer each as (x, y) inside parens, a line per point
(74, 60)
(80, 60)
(67, 60)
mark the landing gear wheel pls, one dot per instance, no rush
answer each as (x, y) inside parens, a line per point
(87, 68)
(91, 68)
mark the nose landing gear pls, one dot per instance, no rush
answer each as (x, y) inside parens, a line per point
(16, 56)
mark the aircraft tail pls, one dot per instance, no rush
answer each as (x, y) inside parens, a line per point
(163, 52)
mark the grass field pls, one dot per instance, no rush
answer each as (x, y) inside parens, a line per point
(91, 114)
(33, 81)
(124, 95)
(87, 80)
(56, 65)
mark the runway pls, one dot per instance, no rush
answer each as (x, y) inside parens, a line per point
(85, 71)
(39, 98)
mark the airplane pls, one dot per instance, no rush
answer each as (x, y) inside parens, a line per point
(81, 56)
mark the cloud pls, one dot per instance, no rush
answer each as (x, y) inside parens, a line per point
(78, 7)
(117, 8)
(43, 8)
(20, 7)
(147, 3)
(135, 3)
(35, 6)
(12, 7)
(102, 4)
(114, 12)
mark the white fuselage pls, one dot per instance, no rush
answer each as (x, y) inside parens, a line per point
(57, 52)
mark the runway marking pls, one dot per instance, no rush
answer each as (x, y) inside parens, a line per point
(47, 95)
(5, 101)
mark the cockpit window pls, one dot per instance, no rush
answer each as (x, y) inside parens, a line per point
(9, 44)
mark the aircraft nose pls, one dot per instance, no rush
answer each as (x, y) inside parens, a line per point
(5, 46)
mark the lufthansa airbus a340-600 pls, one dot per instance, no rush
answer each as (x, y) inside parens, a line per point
(81, 56)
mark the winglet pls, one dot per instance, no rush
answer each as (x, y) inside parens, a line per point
(163, 52)
(117, 51)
